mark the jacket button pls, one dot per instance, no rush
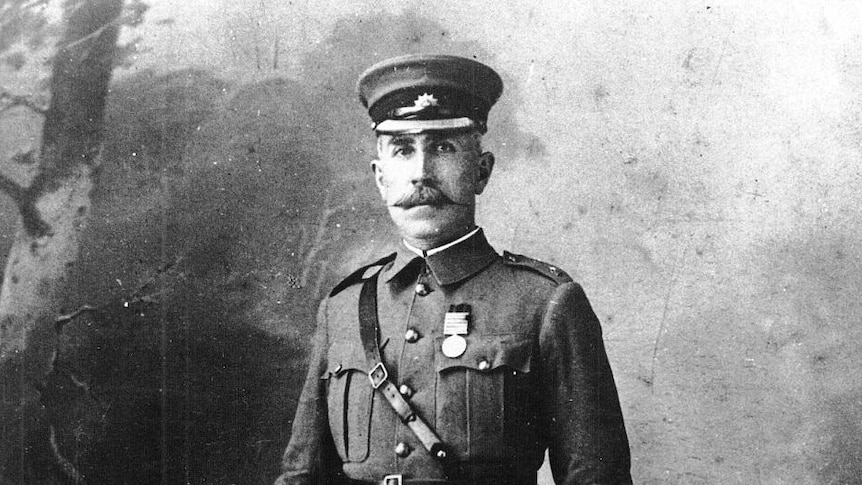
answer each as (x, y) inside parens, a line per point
(484, 365)
(402, 449)
(411, 335)
(422, 289)
(405, 390)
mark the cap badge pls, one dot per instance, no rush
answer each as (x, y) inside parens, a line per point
(425, 100)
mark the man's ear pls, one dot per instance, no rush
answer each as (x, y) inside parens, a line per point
(485, 167)
(378, 175)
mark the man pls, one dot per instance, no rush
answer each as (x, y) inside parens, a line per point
(446, 362)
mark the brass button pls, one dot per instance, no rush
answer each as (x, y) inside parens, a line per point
(411, 335)
(405, 390)
(484, 365)
(402, 449)
(422, 289)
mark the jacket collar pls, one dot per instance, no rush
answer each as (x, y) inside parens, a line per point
(450, 265)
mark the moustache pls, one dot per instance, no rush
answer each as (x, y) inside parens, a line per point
(423, 195)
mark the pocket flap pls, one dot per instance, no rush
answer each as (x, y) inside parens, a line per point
(343, 356)
(488, 352)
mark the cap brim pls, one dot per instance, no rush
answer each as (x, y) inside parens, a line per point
(419, 126)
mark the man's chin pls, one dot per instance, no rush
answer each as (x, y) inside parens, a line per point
(424, 221)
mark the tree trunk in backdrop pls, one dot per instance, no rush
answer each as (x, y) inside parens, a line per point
(54, 205)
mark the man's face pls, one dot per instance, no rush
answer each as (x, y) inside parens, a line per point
(429, 182)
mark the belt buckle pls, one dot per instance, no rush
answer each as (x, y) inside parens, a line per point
(378, 375)
(393, 480)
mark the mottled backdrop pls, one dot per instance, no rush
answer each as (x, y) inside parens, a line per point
(695, 165)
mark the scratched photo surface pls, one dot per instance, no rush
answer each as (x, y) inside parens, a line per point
(694, 166)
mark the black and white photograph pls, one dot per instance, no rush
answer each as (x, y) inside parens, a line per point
(382, 242)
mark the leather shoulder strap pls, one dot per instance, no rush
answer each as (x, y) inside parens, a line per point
(357, 276)
(369, 328)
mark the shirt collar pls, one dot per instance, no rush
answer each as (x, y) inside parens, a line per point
(451, 262)
(425, 254)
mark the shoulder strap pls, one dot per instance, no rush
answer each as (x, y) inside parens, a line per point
(369, 326)
(369, 329)
(547, 270)
(356, 276)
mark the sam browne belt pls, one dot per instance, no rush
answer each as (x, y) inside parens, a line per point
(379, 377)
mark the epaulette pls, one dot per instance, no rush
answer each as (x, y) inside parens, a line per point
(547, 270)
(358, 275)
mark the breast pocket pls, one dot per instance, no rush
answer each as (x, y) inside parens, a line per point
(481, 394)
(349, 398)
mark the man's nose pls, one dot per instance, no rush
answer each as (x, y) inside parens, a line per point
(421, 167)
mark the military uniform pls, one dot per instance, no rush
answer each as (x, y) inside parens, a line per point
(452, 365)
(534, 375)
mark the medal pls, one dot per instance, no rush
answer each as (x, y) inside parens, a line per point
(454, 346)
(456, 324)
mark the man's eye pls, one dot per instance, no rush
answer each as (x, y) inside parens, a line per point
(445, 147)
(402, 151)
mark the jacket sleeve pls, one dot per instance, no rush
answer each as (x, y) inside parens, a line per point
(310, 458)
(583, 422)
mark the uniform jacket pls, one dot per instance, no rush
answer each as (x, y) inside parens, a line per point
(534, 377)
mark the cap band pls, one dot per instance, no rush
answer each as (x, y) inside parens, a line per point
(428, 103)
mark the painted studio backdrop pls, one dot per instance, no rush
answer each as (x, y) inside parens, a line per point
(695, 167)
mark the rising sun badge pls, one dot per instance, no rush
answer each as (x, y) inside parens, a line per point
(425, 100)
